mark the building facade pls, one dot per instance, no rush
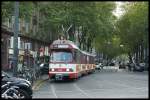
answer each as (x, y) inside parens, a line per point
(34, 47)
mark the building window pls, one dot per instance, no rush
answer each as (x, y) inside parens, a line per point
(8, 22)
(9, 42)
(28, 46)
(12, 21)
(21, 45)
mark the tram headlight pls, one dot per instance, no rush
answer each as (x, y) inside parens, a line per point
(52, 69)
(67, 69)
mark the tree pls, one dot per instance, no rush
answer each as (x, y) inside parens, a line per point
(132, 27)
(7, 10)
(90, 21)
(105, 19)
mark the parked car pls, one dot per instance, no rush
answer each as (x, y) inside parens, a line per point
(122, 65)
(136, 67)
(144, 66)
(44, 68)
(24, 86)
(111, 64)
(99, 66)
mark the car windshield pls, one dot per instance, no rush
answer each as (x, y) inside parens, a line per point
(61, 56)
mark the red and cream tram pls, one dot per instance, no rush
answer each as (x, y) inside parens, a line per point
(67, 61)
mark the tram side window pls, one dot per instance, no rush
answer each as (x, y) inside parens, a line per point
(78, 57)
(75, 56)
(92, 60)
(88, 59)
(82, 58)
(85, 59)
(77, 60)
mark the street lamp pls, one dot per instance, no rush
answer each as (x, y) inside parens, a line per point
(121, 45)
(108, 45)
(16, 31)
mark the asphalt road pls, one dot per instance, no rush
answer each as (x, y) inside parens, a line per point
(104, 84)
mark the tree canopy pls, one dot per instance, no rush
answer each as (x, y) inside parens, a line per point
(132, 27)
(91, 24)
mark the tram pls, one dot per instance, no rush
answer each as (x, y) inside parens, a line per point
(67, 61)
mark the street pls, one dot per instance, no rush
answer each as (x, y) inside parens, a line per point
(104, 84)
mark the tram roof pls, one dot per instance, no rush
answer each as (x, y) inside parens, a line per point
(65, 42)
(72, 44)
(84, 52)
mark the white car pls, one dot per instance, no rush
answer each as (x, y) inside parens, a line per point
(99, 66)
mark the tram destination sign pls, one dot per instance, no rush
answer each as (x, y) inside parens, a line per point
(63, 46)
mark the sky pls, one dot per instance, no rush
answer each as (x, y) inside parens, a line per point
(118, 11)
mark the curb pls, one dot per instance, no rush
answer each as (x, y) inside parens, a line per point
(38, 84)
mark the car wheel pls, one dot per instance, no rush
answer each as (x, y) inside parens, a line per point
(23, 94)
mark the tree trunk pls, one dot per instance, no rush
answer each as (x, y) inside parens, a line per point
(139, 53)
(130, 57)
(142, 52)
(136, 54)
(88, 44)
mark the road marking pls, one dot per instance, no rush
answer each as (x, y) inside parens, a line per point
(53, 91)
(38, 84)
(44, 92)
(81, 90)
(66, 91)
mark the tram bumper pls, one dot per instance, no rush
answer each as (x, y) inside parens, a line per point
(63, 76)
(58, 76)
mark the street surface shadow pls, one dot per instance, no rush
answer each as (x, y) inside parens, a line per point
(62, 81)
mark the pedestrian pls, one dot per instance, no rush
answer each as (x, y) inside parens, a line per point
(12, 65)
(119, 64)
(19, 67)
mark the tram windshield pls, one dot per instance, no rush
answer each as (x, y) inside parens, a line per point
(61, 56)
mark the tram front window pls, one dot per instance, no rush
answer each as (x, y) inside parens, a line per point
(61, 56)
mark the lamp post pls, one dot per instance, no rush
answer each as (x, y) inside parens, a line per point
(15, 45)
(108, 44)
(121, 45)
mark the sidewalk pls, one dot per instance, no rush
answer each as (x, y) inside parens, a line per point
(110, 68)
